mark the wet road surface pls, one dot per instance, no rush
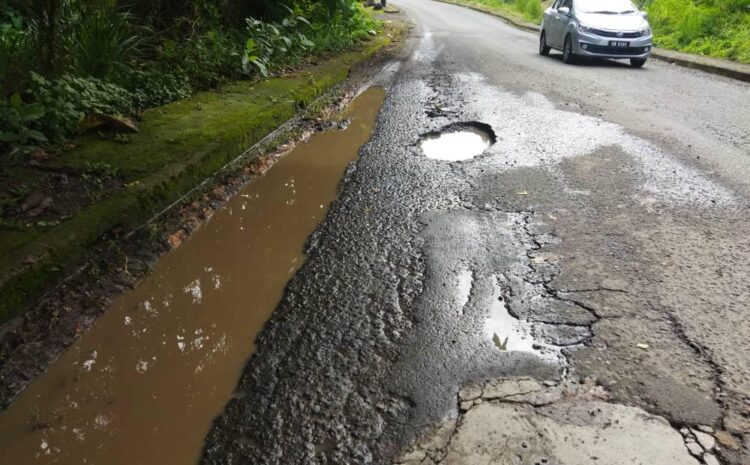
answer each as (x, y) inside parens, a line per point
(604, 236)
(143, 385)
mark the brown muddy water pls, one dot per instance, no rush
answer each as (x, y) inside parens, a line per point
(143, 385)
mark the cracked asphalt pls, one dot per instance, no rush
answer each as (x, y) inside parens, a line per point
(602, 242)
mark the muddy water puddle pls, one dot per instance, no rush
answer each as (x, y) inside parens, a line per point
(143, 385)
(459, 141)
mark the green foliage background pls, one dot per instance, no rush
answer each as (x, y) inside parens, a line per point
(719, 28)
(61, 60)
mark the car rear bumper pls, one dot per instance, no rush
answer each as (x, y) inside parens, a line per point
(596, 46)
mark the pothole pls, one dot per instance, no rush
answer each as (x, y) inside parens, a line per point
(458, 141)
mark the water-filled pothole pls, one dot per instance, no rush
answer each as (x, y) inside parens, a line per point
(458, 141)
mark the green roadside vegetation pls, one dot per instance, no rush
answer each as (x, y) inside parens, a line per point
(527, 10)
(717, 28)
(63, 63)
(83, 170)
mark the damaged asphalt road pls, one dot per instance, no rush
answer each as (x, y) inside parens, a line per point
(602, 241)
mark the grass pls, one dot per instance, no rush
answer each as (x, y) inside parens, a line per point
(717, 28)
(528, 10)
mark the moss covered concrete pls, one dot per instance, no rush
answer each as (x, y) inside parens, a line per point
(179, 146)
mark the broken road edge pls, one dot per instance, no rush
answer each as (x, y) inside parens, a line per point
(571, 421)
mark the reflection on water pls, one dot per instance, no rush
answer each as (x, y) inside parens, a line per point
(456, 145)
(511, 334)
(465, 280)
(143, 385)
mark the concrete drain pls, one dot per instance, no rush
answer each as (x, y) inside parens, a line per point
(457, 141)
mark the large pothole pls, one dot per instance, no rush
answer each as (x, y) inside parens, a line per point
(458, 141)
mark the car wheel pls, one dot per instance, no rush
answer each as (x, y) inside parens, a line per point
(568, 56)
(543, 48)
(637, 62)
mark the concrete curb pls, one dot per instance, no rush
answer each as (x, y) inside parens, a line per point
(739, 71)
(734, 70)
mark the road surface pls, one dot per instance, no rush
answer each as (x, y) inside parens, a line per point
(598, 254)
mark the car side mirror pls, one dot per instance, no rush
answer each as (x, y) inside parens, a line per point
(644, 14)
(564, 10)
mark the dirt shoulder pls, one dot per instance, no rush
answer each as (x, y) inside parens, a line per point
(187, 159)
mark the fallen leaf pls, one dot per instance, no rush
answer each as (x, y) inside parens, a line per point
(726, 440)
(119, 123)
(39, 208)
(42, 155)
(32, 201)
(176, 239)
(46, 203)
(500, 345)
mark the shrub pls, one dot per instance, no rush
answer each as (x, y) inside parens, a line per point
(54, 109)
(336, 25)
(343, 30)
(206, 60)
(17, 52)
(67, 99)
(273, 44)
(151, 86)
(17, 125)
(105, 41)
(63, 59)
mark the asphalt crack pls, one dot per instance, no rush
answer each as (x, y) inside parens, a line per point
(705, 455)
(509, 419)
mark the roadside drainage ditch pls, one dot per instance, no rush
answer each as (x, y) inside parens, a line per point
(144, 384)
(457, 141)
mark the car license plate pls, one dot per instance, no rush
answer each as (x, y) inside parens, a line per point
(618, 43)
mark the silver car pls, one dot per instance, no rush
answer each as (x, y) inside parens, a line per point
(596, 28)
